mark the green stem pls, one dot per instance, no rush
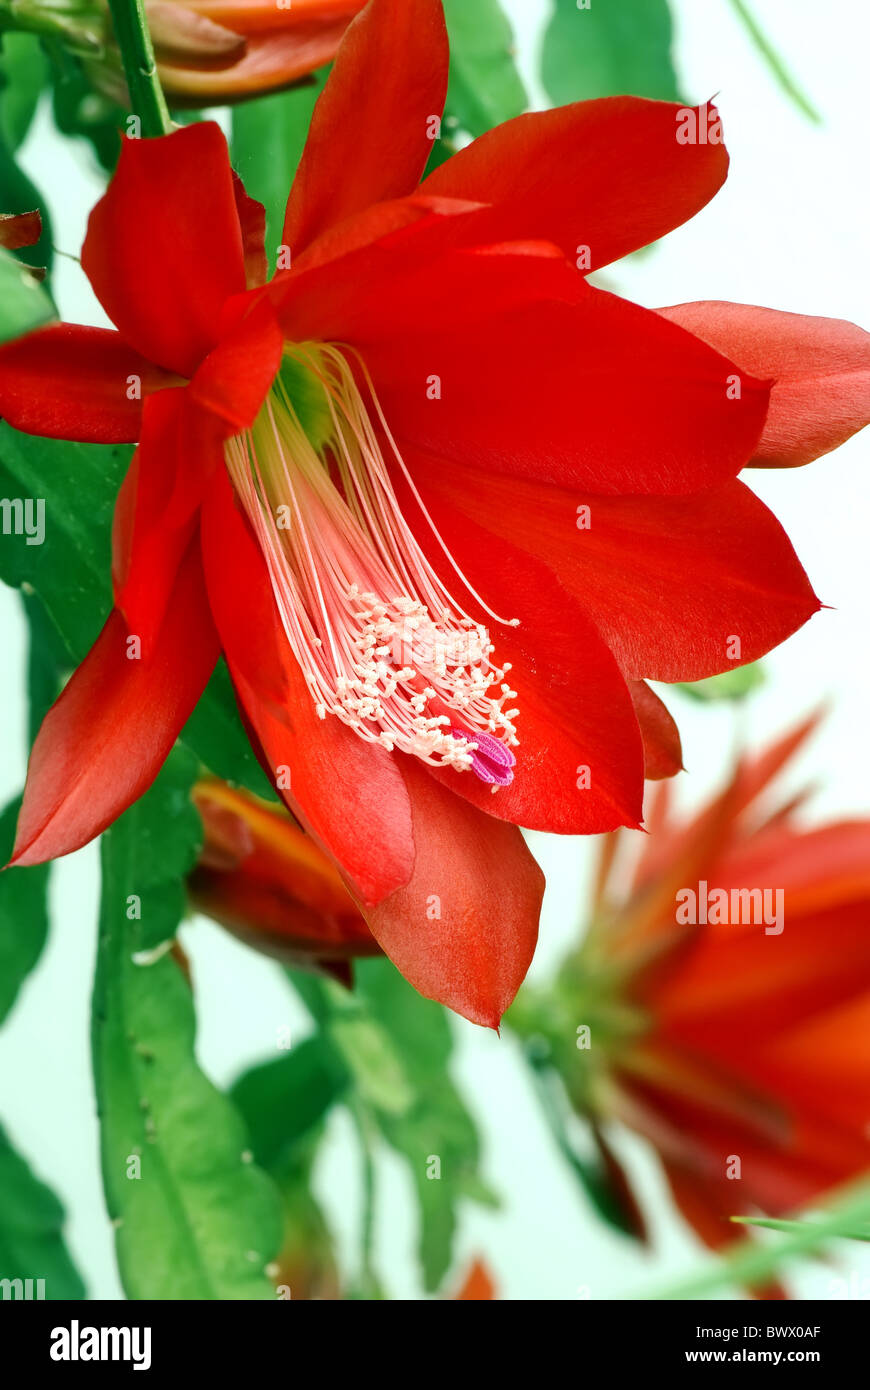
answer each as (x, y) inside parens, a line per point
(751, 1263)
(369, 1282)
(137, 53)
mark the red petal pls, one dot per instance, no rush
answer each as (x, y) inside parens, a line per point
(463, 930)
(668, 581)
(263, 17)
(540, 375)
(408, 228)
(607, 175)
(662, 750)
(821, 371)
(752, 776)
(164, 248)
(579, 766)
(104, 740)
(252, 222)
(816, 869)
(369, 139)
(156, 510)
(19, 229)
(820, 1066)
(232, 381)
(707, 1204)
(71, 382)
(181, 446)
(732, 992)
(348, 794)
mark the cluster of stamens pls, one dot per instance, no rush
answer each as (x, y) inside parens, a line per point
(381, 642)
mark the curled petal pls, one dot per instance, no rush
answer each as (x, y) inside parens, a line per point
(820, 370)
(163, 278)
(662, 750)
(71, 382)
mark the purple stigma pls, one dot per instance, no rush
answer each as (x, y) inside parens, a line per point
(491, 760)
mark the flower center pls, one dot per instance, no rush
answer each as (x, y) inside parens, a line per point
(383, 645)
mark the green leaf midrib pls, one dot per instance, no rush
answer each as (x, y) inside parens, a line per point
(113, 888)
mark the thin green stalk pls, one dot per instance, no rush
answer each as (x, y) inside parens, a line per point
(368, 1279)
(773, 60)
(137, 53)
(752, 1263)
(791, 1226)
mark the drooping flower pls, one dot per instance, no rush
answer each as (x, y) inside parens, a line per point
(443, 504)
(213, 52)
(726, 994)
(264, 879)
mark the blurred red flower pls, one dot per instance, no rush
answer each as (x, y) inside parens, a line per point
(739, 1048)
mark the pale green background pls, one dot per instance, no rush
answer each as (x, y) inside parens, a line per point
(789, 230)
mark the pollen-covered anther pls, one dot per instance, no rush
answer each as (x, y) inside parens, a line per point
(382, 643)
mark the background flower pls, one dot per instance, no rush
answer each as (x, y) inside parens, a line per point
(738, 1046)
(262, 877)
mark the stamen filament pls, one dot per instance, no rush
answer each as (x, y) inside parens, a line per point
(382, 643)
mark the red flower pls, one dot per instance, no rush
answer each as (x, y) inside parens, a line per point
(436, 346)
(731, 1031)
(264, 879)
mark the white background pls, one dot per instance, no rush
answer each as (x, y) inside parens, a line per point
(789, 230)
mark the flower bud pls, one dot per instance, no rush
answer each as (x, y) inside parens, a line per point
(268, 883)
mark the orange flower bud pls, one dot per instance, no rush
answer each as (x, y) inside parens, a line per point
(266, 881)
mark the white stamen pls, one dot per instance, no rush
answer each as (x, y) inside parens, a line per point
(381, 642)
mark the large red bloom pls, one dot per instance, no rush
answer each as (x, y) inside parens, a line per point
(471, 394)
